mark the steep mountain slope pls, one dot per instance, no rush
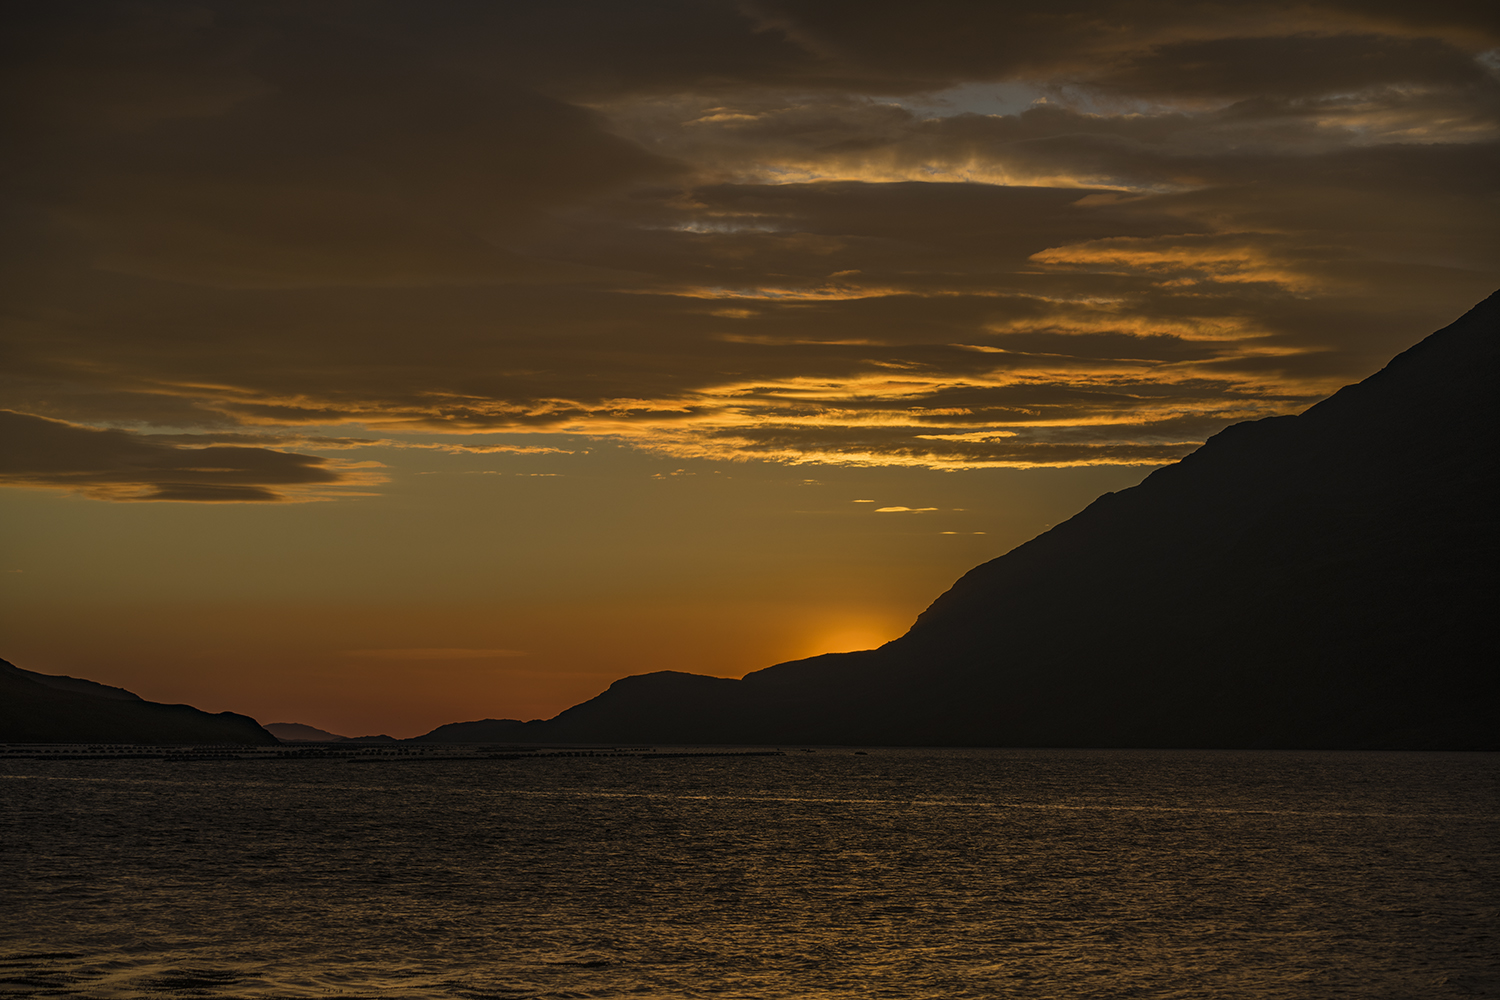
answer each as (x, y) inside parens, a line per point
(45, 708)
(1323, 580)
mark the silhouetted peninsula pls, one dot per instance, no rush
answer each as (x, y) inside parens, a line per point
(46, 708)
(299, 732)
(1316, 581)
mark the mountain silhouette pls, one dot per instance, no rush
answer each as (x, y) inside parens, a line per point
(1325, 580)
(480, 731)
(48, 708)
(301, 732)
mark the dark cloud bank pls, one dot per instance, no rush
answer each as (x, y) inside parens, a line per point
(121, 465)
(810, 232)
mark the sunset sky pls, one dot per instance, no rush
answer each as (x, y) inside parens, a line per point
(382, 364)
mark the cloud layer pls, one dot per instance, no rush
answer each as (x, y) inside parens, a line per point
(1054, 234)
(121, 465)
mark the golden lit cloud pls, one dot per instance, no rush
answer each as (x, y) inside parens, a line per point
(434, 654)
(1184, 263)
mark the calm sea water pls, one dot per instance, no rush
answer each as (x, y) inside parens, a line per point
(893, 873)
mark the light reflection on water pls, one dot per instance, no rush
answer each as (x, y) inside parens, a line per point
(898, 873)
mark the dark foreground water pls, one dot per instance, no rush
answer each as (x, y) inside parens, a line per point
(896, 873)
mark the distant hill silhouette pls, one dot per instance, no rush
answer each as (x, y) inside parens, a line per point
(482, 731)
(46, 708)
(1317, 581)
(302, 732)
